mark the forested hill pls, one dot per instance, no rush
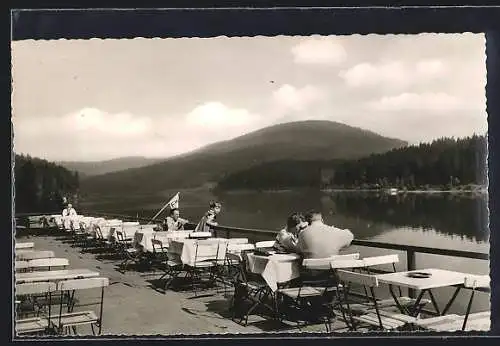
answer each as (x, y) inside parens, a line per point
(444, 163)
(40, 185)
(313, 140)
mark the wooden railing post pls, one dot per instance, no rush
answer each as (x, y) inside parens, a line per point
(410, 264)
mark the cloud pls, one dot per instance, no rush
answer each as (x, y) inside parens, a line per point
(216, 114)
(434, 102)
(320, 51)
(393, 73)
(290, 98)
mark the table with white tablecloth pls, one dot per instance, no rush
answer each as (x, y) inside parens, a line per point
(191, 250)
(143, 237)
(275, 269)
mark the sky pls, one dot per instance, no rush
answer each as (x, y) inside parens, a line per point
(89, 100)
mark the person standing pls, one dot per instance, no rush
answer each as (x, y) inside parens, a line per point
(209, 220)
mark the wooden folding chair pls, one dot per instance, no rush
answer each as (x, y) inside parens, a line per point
(479, 321)
(248, 287)
(125, 247)
(404, 303)
(64, 321)
(232, 261)
(37, 323)
(199, 267)
(172, 267)
(377, 320)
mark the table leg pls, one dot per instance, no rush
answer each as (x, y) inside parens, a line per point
(447, 307)
(396, 300)
(416, 306)
(434, 303)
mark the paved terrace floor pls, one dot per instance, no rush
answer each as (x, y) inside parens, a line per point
(134, 306)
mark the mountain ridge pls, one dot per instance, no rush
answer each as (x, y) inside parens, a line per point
(304, 140)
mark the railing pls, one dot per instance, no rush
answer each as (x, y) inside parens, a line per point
(226, 232)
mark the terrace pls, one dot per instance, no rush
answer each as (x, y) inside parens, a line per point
(135, 302)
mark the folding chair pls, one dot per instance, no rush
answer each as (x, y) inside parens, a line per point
(479, 321)
(404, 303)
(125, 247)
(311, 298)
(101, 241)
(199, 267)
(37, 323)
(248, 287)
(64, 321)
(377, 320)
(172, 267)
(232, 261)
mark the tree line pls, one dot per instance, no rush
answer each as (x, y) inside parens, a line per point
(40, 186)
(445, 163)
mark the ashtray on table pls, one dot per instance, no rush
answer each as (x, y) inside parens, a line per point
(419, 275)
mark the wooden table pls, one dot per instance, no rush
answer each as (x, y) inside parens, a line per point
(55, 275)
(439, 278)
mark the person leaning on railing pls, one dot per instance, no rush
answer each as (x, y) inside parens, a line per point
(209, 219)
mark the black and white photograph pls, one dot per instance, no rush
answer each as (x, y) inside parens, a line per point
(245, 185)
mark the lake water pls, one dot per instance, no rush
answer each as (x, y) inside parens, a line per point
(431, 220)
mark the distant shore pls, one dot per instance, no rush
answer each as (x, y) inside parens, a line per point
(353, 190)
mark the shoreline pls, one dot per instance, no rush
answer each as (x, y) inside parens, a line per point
(431, 191)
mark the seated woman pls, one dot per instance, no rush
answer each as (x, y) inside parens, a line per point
(286, 239)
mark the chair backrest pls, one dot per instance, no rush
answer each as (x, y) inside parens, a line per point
(349, 256)
(239, 247)
(377, 260)
(26, 256)
(264, 244)
(477, 281)
(317, 263)
(357, 278)
(48, 262)
(35, 288)
(157, 243)
(22, 265)
(81, 284)
(346, 263)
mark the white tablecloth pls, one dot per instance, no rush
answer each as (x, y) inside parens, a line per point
(143, 237)
(208, 249)
(275, 269)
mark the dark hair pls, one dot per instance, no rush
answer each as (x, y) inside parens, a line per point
(214, 204)
(294, 219)
(172, 211)
(311, 214)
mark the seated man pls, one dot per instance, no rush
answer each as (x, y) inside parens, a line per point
(319, 240)
(69, 211)
(209, 219)
(174, 222)
(286, 239)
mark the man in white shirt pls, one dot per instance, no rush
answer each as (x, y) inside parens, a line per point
(174, 222)
(319, 240)
(69, 211)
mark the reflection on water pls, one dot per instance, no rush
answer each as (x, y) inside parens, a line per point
(426, 217)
